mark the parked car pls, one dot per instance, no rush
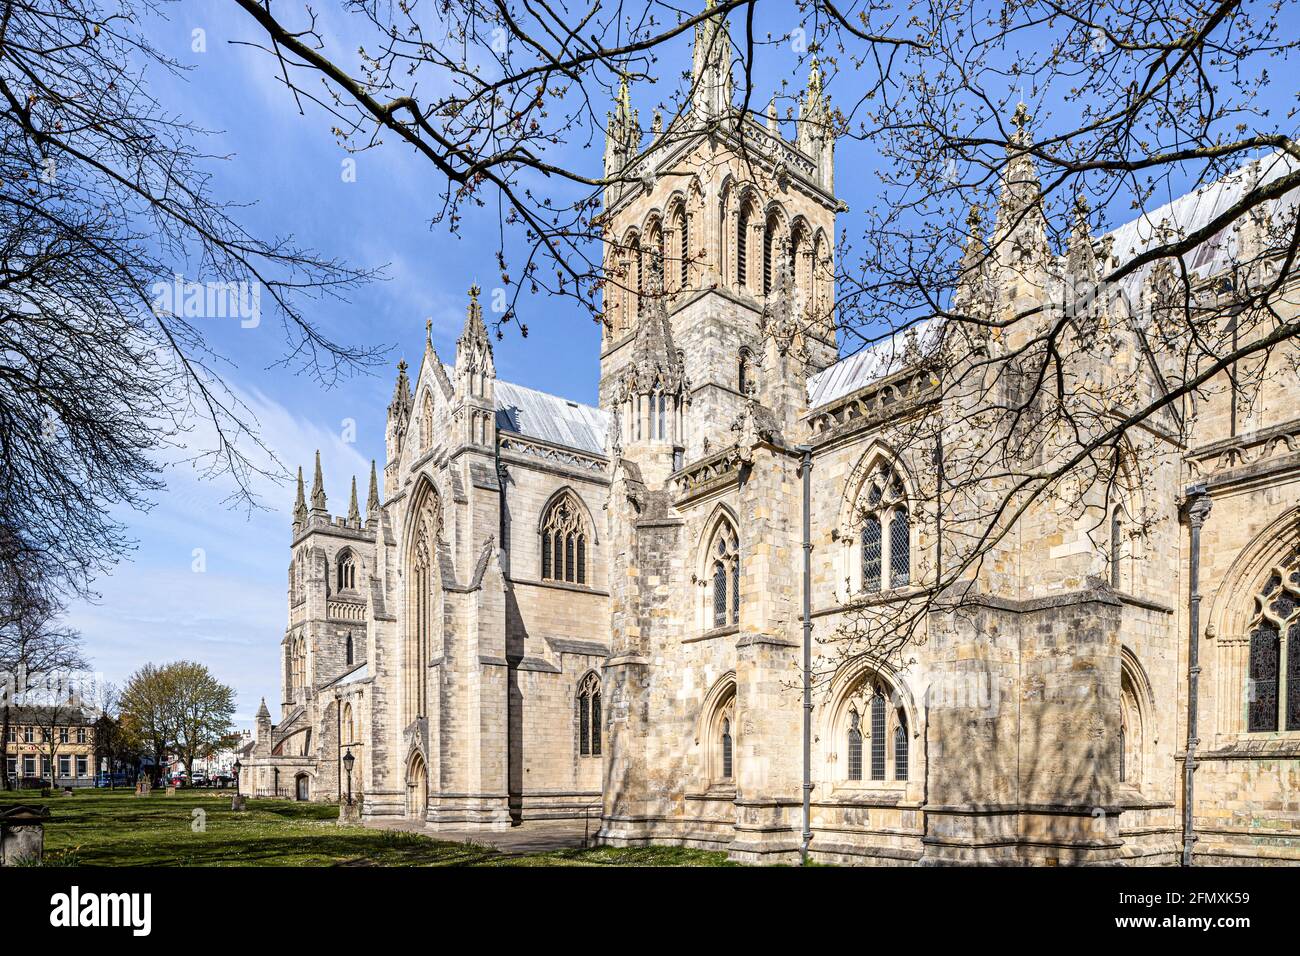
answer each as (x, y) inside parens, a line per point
(200, 779)
(223, 778)
(119, 778)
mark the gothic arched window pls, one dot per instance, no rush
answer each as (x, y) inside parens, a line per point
(1275, 639)
(900, 545)
(770, 232)
(682, 237)
(589, 716)
(742, 244)
(717, 733)
(878, 735)
(744, 378)
(347, 572)
(872, 550)
(1116, 528)
(900, 747)
(564, 542)
(347, 650)
(884, 505)
(855, 746)
(421, 621)
(724, 575)
(875, 731)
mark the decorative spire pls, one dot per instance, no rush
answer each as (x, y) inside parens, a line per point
(428, 334)
(372, 500)
(1020, 233)
(773, 124)
(655, 364)
(814, 135)
(474, 348)
(354, 513)
(1080, 259)
(401, 392)
(318, 489)
(711, 67)
(1021, 119)
(622, 130)
(300, 504)
(1253, 228)
(263, 712)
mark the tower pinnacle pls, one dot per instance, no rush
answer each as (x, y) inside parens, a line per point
(354, 513)
(318, 490)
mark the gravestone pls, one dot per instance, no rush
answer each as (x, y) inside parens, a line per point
(22, 834)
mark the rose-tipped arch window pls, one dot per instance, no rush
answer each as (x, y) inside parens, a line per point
(1273, 689)
(589, 716)
(564, 542)
(724, 576)
(886, 537)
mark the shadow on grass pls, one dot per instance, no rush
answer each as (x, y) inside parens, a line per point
(197, 828)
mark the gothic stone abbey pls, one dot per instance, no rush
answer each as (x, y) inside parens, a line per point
(556, 610)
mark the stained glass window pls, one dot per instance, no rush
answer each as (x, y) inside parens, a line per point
(726, 749)
(900, 747)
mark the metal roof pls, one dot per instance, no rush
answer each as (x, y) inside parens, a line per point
(1184, 215)
(871, 363)
(550, 418)
(1193, 211)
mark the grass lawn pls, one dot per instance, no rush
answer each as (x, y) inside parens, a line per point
(106, 828)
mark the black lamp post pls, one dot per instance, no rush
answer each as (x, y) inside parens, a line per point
(277, 780)
(235, 768)
(348, 761)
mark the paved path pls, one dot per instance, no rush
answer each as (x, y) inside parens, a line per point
(539, 836)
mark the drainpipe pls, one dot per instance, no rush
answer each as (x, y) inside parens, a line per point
(1198, 509)
(805, 471)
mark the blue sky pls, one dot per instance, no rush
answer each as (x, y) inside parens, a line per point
(231, 615)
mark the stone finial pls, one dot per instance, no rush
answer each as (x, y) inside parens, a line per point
(372, 500)
(401, 402)
(300, 504)
(263, 712)
(1020, 232)
(711, 81)
(318, 490)
(474, 347)
(1080, 259)
(354, 513)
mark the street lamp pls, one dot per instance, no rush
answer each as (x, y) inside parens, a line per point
(235, 768)
(348, 761)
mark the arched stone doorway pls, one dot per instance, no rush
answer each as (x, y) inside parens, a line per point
(302, 787)
(417, 789)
